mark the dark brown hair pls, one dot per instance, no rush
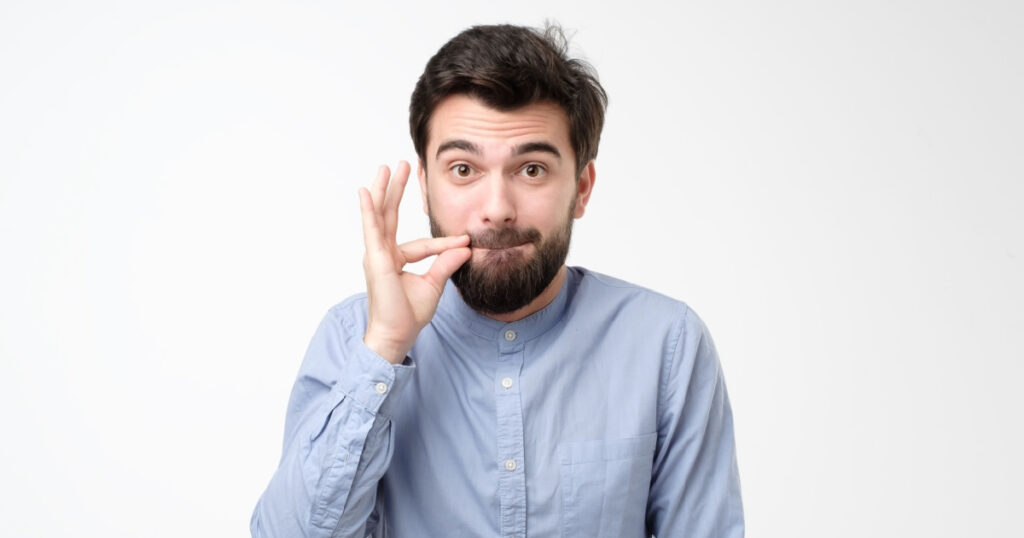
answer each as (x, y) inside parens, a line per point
(508, 67)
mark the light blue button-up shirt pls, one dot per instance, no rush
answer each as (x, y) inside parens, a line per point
(603, 415)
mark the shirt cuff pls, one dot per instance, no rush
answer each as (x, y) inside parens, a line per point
(372, 382)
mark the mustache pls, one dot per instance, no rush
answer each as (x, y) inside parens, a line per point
(504, 238)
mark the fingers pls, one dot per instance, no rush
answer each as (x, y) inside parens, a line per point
(379, 210)
(371, 228)
(386, 195)
(370, 202)
(379, 187)
(414, 251)
(447, 263)
(393, 197)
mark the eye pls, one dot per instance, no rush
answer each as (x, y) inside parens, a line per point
(462, 170)
(533, 170)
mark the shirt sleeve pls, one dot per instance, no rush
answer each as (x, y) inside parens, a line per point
(695, 488)
(337, 441)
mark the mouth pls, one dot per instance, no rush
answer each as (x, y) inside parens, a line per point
(508, 240)
(501, 254)
(497, 248)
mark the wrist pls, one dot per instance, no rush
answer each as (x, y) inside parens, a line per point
(391, 352)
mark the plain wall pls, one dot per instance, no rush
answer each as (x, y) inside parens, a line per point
(836, 187)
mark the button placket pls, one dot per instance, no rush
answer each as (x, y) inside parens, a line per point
(508, 404)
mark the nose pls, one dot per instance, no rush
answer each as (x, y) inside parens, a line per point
(499, 204)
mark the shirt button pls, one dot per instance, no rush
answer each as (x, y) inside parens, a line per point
(510, 335)
(510, 465)
(381, 388)
(507, 383)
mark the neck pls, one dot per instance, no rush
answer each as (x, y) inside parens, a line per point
(538, 302)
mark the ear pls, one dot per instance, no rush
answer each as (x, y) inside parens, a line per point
(421, 173)
(584, 186)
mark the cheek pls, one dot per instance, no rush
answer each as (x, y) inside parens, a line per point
(450, 210)
(547, 212)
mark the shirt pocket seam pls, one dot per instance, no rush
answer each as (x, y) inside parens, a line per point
(575, 452)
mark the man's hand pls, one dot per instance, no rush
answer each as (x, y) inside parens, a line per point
(401, 303)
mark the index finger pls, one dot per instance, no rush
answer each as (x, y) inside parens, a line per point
(418, 249)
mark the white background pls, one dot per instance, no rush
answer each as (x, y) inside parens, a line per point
(836, 187)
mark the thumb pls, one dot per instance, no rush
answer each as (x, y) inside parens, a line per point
(445, 264)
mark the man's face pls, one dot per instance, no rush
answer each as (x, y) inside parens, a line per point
(508, 179)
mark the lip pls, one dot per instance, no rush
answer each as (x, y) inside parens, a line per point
(501, 248)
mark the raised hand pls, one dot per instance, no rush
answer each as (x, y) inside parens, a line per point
(401, 303)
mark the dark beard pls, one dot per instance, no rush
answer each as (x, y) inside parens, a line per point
(507, 280)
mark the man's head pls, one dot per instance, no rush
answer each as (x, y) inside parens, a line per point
(506, 128)
(508, 67)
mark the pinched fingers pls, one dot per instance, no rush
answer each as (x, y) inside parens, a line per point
(446, 263)
(414, 251)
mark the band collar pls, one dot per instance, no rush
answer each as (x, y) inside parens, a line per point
(453, 307)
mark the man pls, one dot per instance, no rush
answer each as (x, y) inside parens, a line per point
(523, 397)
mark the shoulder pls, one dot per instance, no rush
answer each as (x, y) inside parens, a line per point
(350, 313)
(632, 305)
(593, 288)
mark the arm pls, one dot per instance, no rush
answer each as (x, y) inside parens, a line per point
(338, 431)
(337, 437)
(695, 489)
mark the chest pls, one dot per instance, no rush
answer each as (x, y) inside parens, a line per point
(561, 434)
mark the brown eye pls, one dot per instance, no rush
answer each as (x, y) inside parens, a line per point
(533, 170)
(462, 170)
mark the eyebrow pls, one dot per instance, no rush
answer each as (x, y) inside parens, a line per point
(528, 147)
(531, 147)
(464, 145)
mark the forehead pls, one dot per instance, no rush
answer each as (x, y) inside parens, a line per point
(462, 117)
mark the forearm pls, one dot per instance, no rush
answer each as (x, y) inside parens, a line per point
(326, 482)
(337, 438)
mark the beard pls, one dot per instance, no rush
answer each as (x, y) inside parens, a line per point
(507, 279)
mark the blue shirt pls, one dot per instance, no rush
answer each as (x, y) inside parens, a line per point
(604, 414)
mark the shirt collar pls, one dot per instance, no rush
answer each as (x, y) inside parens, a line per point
(457, 311)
